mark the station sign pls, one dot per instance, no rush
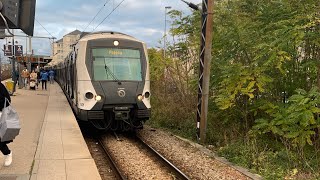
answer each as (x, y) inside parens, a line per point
(18, 50)
(7, 50)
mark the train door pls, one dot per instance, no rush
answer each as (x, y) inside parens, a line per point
(69, 75)
(73, 80)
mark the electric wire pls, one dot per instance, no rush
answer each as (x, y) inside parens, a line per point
(96, 15)
(108, 15)
(45, 29)
(5, 22)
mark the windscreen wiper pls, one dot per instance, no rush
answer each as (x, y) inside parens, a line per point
(111, 73)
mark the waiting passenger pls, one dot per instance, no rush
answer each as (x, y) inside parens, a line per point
(25, 75)
(33, 80)
(51, 76)
(33, 75)
(44, 78)
(38, 77)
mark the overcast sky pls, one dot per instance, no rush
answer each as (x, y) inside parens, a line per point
(143, 19)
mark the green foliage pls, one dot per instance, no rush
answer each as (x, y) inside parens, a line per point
(157, 65)
(268, 157)
(295, 121)
(265, 62)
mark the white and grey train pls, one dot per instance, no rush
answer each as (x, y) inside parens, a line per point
(106, 80)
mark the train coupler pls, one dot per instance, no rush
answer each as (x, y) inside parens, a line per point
(121, 113)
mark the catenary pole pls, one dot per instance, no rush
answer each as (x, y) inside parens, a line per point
(204, 72)
(204, 67)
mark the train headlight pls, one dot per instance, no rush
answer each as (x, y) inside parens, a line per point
(147, 94)
(116, 43)
(140, 97)
(98, 98)
(88, 95)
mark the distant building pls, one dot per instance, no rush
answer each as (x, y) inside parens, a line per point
(34, 61)
(63, 47)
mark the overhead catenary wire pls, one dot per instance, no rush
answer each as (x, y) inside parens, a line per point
(96, 15)
(45, 29)
(108, 15)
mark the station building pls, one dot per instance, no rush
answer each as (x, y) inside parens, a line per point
(33, 61)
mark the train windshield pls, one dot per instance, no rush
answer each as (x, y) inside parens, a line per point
(116, 64)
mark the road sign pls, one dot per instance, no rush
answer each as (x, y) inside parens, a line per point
(18, 50)
(7, 50)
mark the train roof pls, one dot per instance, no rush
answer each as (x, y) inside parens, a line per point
(107, 34)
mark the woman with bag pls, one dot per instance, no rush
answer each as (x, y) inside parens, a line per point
(4, 94)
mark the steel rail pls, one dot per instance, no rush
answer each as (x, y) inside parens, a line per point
(179, 174)
(113, 164)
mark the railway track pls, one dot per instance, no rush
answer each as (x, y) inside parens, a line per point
(112, 163)
(120, 169)
(177, 172)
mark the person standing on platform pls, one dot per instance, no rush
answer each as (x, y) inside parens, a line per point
(44, 78)
(17, 77)
(38, 77)
(25, 75)
(4, 94)
(34, 79)
(51, 76)
(33, 75)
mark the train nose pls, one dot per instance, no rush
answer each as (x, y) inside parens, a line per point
(120, 94)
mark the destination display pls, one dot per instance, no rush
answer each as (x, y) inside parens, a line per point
(118, 53)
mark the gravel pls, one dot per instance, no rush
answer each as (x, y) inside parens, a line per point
(195, 162)
(134, 161)
(98, 155)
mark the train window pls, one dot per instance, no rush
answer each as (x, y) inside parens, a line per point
(116, 64)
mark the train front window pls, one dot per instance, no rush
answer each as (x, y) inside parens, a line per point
(116, 64)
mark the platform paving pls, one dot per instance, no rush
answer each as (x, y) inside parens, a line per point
(50, 144)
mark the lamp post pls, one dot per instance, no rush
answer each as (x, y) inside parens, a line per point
(164, 47)
(165, 31)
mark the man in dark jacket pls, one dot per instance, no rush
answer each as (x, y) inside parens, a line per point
(4, 94)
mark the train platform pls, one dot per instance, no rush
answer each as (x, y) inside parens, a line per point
(50, 144)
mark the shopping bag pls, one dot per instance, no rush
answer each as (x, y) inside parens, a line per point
(9, 123)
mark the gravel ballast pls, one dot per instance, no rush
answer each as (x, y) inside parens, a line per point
(194, 160)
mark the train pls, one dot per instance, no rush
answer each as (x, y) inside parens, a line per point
(106, 79)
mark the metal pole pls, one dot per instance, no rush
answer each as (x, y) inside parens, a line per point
(165, 34)
(14, 78)
(204, 73)
(164, 47)
(165, 31)
(0, 67)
